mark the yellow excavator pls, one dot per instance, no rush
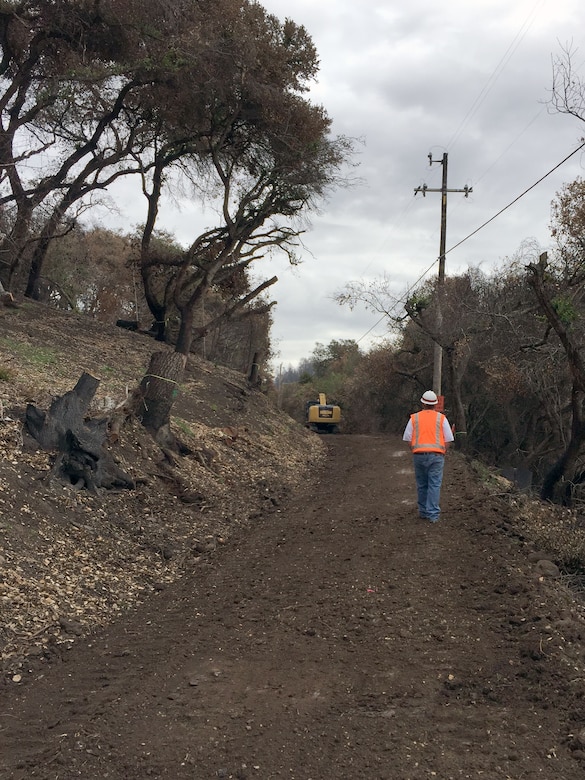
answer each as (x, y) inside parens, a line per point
(322, 417)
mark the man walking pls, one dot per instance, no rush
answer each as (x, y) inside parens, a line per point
(429, 434)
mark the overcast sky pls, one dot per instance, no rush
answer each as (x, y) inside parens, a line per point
(470, 78)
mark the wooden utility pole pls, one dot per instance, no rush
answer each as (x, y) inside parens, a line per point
(438, 355)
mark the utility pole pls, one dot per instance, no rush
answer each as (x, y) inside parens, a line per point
(438, 354)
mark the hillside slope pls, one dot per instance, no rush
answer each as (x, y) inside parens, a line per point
(71, 559)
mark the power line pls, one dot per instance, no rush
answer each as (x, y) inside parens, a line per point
(400, 300)
(494, 76)
(404, 298)
(375, 325)
(506, 57)
(532, 186)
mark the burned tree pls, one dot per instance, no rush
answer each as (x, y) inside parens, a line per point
(81, 457)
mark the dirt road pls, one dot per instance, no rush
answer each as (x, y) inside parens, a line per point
(339, 638)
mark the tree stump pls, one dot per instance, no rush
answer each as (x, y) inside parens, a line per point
(160, 387)
(83, 460)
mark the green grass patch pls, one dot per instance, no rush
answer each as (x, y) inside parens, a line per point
(182, 426)
(35, 355)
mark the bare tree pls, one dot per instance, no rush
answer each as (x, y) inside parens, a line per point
(561, 314)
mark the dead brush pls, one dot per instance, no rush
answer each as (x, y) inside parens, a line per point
(559, 531)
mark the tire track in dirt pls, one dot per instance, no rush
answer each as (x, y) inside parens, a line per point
(338, 637)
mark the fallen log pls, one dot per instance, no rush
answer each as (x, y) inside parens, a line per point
(83, 459)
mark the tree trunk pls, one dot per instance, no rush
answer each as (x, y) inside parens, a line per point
(160, 387)
(42, 243)
(155, 303)
(459, 420)
(15, 250)
(185, 334)
(565, 466)
(254, 373)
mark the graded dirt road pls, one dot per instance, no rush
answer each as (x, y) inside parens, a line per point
(338, 638)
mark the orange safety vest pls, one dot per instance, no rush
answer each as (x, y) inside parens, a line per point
(427, 432)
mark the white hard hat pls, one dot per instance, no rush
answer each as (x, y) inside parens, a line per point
(429, 398)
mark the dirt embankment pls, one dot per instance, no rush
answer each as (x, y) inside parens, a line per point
(71, 559)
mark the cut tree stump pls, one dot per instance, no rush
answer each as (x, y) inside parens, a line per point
(160, 387)
(83, 459)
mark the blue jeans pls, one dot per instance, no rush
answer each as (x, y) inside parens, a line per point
(428, 473)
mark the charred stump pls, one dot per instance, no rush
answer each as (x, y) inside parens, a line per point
(82, 459)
